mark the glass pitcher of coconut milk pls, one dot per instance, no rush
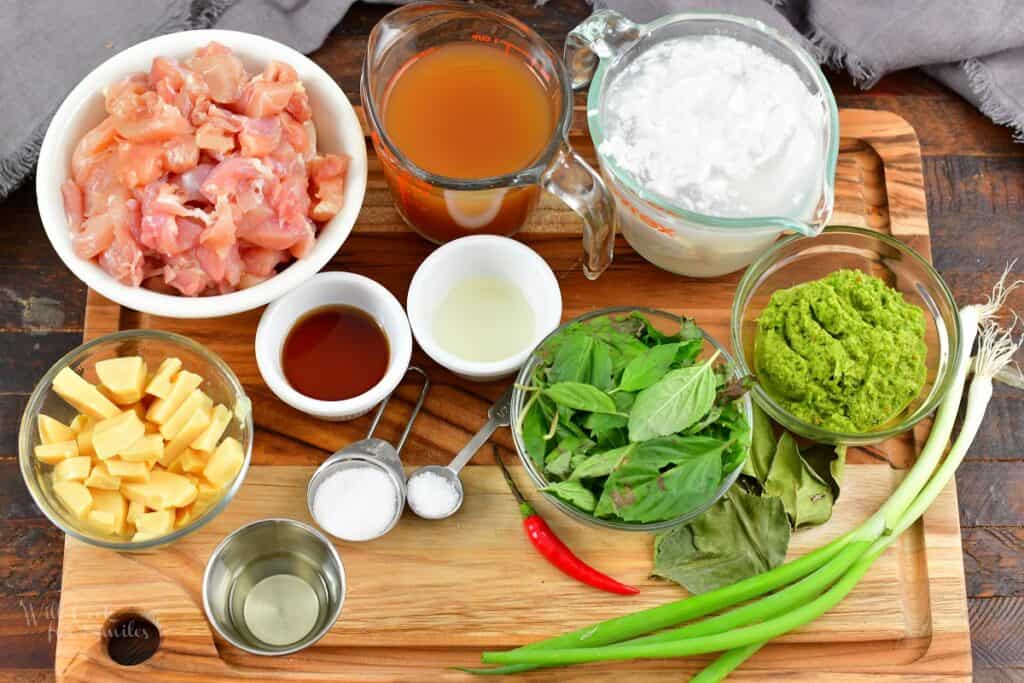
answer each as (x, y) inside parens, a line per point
(715, 134)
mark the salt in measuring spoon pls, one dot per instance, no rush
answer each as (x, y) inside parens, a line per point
(372, 452)
(498, 415)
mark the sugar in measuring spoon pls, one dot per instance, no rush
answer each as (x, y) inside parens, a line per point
(435, 491)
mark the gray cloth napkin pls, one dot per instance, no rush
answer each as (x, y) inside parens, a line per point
(47, 46)
(976, 47)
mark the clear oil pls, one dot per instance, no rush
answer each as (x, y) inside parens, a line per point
(314, 611)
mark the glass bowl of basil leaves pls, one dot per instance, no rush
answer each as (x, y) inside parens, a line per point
(631, 418)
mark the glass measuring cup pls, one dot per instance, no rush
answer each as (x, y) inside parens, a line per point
(442, 208)
(670, 236)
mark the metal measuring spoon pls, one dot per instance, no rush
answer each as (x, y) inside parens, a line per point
(372, 452)
(498, 415)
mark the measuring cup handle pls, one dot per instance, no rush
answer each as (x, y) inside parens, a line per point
(573, 181)
(415, 409)
(602, 35)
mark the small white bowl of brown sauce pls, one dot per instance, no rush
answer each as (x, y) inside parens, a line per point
(334, 347)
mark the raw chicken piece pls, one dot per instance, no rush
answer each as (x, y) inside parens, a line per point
(183, 273)
(73, 203)
(327, 173)
(261, 261)
(298, 105)
(219, 237)
(249, 280)
(146, 118)
(259, 137)
(123, 259)
(261, 99)
(139, 164)
(163, 213)
(198, 180)
(181, 153)
(222, 268)
(226, 176)
(222, 71)
(96, 141)
(191, 180)
(100, 186)
(264, 229)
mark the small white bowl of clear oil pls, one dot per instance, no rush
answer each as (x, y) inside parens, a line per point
(480, 304)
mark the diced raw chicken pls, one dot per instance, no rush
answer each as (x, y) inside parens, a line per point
(146, 118)
(261, 261)
(298, 105)
(181, 153)
(73, 203)
(259, 137)
(123, 258)
(139, 164)
(249, 280)
(222, 71)
(96, 141)
(199, 179)
(191, 180)
(183, 273)
(327, 173)
(261, 99)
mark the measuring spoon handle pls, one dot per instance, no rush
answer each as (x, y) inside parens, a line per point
(470, 449)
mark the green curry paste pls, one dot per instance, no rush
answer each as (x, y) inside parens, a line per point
(846, 352)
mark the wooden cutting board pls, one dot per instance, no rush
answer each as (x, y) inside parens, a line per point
(430, 595)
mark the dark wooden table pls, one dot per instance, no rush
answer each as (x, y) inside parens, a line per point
(975, 185)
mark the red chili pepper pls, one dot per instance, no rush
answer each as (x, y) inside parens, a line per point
(556, 552)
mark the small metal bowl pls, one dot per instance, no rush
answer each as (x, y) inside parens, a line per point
(279, 546)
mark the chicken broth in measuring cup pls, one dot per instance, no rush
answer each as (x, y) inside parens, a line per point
(469, 111)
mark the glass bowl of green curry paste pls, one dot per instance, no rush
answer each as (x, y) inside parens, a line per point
(851, 335)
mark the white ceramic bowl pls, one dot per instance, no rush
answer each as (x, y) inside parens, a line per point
(338, 131)
(327, 289)
(476, 256)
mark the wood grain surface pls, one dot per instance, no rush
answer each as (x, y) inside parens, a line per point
(910, 613)
(974, 186)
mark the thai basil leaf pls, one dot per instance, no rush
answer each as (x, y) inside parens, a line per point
(558, 463)
(534, 428)
(678, 400)
(602, 367)
(806, 497)
(689, 330)
(650, 334)
(580, 396)
(602, 464)
(600, 425)
(738, 537)
(645, 370)
(713, 416)
(687, 351)
(574, 359)
(574, 493)
(638, 490)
